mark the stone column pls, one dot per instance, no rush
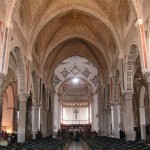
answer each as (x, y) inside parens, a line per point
(52, 111)
(44, 122)
(108, 122)
(35, 119)
(56, 112)
(112, 120)
(101, 113)
(116, 118)
(95, 112)
(92, 115)
(148, 82)
(129, 117)
(2, 77)
(105, 123)
(59, 111)
(142, 123)
(22, 117)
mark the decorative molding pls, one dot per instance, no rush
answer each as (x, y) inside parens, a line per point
(64, 73)
(86, 73)
(95, 80)
(56, 80)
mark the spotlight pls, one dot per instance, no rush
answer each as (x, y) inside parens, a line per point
(75, 80)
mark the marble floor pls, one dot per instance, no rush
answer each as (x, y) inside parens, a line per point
(75, 146)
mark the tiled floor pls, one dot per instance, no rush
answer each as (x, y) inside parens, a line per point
(75, 146)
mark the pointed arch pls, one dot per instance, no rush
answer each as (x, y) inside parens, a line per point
(116, 86)
(130, 68)
(21, 70)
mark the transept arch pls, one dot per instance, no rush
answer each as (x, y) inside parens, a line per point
(80, 36)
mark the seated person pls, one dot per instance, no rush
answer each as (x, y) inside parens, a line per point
(13, 137)
(38, 134)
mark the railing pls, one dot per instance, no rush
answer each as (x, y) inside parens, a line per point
(75, 121)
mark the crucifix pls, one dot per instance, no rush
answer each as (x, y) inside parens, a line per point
(76, 113)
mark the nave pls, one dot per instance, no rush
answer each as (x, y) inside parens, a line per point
(76, 146)
(82, 64)
(85, 143)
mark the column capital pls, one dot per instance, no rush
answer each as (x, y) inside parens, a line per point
(41, 75)
(35, 105)
(115, 103)
(128, 95)
(23, 97)
(138, 22)
(29, 58)
(121, 56)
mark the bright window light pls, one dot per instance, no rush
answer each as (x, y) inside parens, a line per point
(75, 80)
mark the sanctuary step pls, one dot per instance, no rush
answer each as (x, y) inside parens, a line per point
(75, 146)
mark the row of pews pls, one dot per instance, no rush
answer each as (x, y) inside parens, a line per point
(108, 143)
(38, 144)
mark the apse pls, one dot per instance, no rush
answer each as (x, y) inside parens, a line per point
(76, 81)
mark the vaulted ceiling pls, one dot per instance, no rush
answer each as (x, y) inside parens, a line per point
(59, 29)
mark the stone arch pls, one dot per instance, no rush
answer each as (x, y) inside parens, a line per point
(21, 71)
(116, 86)
(35, 85)
(81, 9)
(81, 36)
(14, 4)
(130, 68)
(12, 7)
(8, 114)
(60, 88)
(138, 8)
